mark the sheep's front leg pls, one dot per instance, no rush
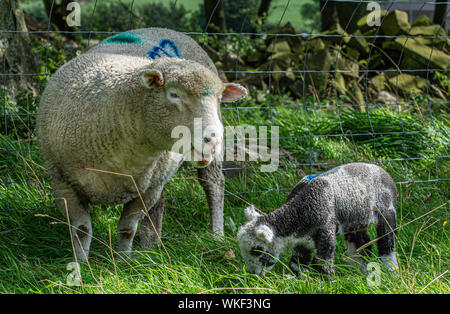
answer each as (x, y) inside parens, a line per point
(325, 242)
(69, 202)
(213, 182)
(150, 231)
(301, 255)
(133, 211)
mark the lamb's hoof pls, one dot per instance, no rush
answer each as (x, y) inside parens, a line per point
(357, 262)
(390, 261)
(296, 269)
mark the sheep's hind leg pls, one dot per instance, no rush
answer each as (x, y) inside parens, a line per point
(151, 224)
(69, 202)
(354, 241)
(133, 211)
(386, 243)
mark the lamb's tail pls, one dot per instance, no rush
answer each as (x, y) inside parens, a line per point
(387, 235)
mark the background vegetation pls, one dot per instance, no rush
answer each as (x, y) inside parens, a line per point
(143, 12)
(318, 130)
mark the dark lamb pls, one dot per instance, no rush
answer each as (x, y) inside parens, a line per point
(344, 200)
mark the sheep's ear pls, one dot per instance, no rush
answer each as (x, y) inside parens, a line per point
(150, 78)
(250, 213)
(233, 92)
(264, 233)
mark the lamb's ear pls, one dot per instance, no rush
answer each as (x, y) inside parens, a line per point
(264, 233)
(150, 78)
(233, 92)
(251, 213)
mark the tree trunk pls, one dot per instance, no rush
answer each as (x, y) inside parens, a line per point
(349, 14)
(215, 16)
(346, 14)
(329, 14)
(263, 9)
(15, 47)
(57, 16)
(440, 12)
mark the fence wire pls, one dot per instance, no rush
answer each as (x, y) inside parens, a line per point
(354, 122)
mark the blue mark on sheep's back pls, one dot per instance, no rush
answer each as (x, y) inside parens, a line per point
(124, 38)
(163, 46)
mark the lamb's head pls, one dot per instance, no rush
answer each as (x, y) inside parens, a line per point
(184, 97)
(259, 247)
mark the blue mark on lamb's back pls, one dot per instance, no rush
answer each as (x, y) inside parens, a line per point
(124, 38)
(163, 47)
(311, 177)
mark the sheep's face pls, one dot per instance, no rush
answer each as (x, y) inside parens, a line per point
(257, 244)
(188, 98)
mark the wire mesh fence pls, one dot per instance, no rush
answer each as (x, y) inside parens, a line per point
(378, 94)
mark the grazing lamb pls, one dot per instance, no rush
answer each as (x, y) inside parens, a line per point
(155, 43)
(105, 114)
(344, 200)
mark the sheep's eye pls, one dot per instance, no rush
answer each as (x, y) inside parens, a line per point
(174, 95)
(257, 251)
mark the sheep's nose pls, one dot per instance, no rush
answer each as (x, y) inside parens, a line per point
(211, 143)
(210, 140)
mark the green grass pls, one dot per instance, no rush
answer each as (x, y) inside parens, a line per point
(35, 250)
(35, 247)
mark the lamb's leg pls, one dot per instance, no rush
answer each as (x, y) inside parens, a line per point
(213, 182)
(325, 242)
(301, 255)
(69, 202)
(133, 211)
(150, 231)
(354, 241)
(386, 241)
